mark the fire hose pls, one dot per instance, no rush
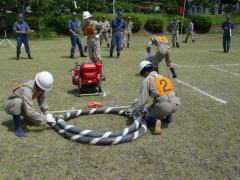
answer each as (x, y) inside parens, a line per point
(85, 136)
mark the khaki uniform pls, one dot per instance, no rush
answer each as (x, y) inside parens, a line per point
(21, 103)
(105, 31)
(190, 31)
(161, 90)
(163, 50)
(94, 49)
(174, 26)
(128, 32)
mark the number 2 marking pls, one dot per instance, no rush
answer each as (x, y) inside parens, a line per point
(165, 85)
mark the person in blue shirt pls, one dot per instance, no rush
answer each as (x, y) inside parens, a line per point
(21, 29)
(73, 27)
(227, 27)
(117, 26)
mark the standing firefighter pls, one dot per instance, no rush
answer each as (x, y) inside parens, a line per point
(118, 26)
(21, 29)
(73, 27)
(105, 33)
(128, 32)
(21, 102)
(227, 27)
(160, 88)
(92, 29)
(163, 51)
(174, 26)
(190, 31)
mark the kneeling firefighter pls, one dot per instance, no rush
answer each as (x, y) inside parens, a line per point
(160, 88)
(21, 102)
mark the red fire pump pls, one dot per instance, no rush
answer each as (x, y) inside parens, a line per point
(88, 77)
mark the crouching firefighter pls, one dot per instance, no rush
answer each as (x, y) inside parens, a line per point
(160, 88)
(20, 103)
(163, 52)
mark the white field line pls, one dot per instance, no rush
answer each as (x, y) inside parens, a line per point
(202, 92)
(210, 65)
(223, 70)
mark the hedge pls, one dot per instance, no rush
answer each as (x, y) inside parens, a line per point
(137, 22)
(154, 25)
(202, 23)
(44, 24)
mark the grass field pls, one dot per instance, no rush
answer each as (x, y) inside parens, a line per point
(202, 143)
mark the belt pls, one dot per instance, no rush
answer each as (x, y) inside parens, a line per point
(167, 97)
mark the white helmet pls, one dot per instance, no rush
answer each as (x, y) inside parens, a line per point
(144, 64)
(44, 80)
(86, 15)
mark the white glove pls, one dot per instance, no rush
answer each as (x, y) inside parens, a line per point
(97, 37)
(148, 55)
(85, 37)
(50, 118)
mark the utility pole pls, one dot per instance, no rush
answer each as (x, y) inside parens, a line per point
(184, 7)
(113, 8)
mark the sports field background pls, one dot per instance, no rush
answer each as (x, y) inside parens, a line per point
(202, 143)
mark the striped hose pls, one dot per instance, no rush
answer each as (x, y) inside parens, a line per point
(134, 131)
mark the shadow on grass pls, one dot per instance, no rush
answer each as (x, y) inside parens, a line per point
(21, 58)
(73, 92)
(216, 51)
(25, 125)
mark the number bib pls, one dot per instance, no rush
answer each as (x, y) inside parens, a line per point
(90, 31)
(164, 86)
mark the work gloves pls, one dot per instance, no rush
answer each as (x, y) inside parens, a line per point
(97, 37)
(130, 110)
(148, 56)
(50, 118)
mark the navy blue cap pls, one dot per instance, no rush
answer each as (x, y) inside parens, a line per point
(228, 17)
(74, 14)
(120, 13)
(20, 16)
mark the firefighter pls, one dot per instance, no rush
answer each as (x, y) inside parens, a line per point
(105, 33)
(190, 31)
(128, 32)
(174, 26)
(227, 27)
(160, 88)
(117, 26)
(163, 51)
(73, 28)
(92, 29)
(20, 103)
(21, 29)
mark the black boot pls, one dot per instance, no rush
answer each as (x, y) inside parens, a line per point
(177, 45)
(108, 45)
(118, 55)
(72, 56)
(193, 40)
(174, 75)
(173, 45)
(85, 49)
(18, 127)
(17, 57)
(83, 55)
(29, 56)
(169, 118)
(185, 41)
(111, 55)
(127, 45)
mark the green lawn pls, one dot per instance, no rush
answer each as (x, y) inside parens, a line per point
(202, 143)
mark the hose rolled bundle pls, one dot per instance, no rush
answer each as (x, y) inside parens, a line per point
(85, 136)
